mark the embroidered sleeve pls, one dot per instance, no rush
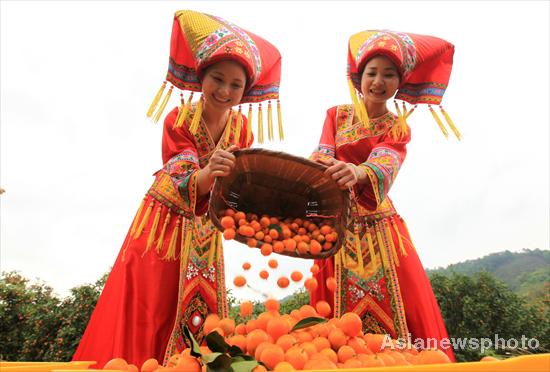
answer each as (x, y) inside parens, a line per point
(181, 162)
(326, 148)
(381, 167)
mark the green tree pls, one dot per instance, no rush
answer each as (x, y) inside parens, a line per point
(480, 306)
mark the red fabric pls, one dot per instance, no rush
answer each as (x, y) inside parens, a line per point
(135, 313)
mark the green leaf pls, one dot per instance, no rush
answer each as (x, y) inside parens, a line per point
(208, 358)
(276, 227)
(216, 342)
(242, 357)
(221, 364)
(244, 366)
(195, 347)
(308, 322)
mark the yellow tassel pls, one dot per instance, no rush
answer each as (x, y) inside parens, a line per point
(184, 110)
(371, 250)
(450, 123)
(156, 100)
(400, 129)
(343, 258)
(163, 104)
(171, 252)
(196, 117)
(144, 220)
(439, 122)
(153, 231)
(213, 246)
(239, 126)
(249, 125)
(269, 122)
(359, 106)
(404, 109)
(187, 231)
(280, 121)
(392, 246)
(163, 231)
(228, 127)
(134, 224)
(382, 246)
(410, 112)
(401, 246)
(260, 125)
(359, 253)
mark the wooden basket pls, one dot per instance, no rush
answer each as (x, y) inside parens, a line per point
(280, 185)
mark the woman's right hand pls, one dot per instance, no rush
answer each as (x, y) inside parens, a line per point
(344, 174)
(221, 163)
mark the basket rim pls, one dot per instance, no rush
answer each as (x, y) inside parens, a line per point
(217, 189)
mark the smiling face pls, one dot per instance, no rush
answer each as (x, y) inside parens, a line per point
(380, 80)
(223, 85)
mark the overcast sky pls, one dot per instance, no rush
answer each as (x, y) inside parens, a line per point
(77, 153)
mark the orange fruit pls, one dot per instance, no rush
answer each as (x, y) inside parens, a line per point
(314, 269)
(271, 356)
(266, 249)
(261, 347)
(267, 238)
(246, 309)
(331, 284)
(274, 234)
(239, 281)
(264, 274)
(351, 324)
(273, 220)
(256, 226)
(276, 327)
(264, 221)
(315, 364)
(263, 319)
(273, 263)
(255, 338)
(329, 354)
(278, 247)
(433, 356)
(246, 266)
(283, 367)
(252, 243)
(229, 212)
(286, 341)
(259, 368)
(239, 216)
(488, 358)
(188, 364)
(311, 284)
(240, 329)
(251, 325)
(352, 363)
(321, 343)
(116, 363)
(337, 338)
(307, 311)
(297, 357)
(227, 222)
(359, 345)
(325, 229)
(259, 235)
(227, 325)
(239, 341)
(272, 304)
(373, 361)
(327, 246)
(302, 247)
(212, 321)
(290, 245)
(303, 336)
(296, 276)
(229, 234)
(345, 352)
(150, 365)
(323, 308)
(388, 360)
(315, 247)
(247, 231)
(283, 282)
(375, 342)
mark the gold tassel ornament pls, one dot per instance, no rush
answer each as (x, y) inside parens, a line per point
(171, 252)
(390, 240)
(238, 126)
(249, 125)
(359, 254)
(260, 125)
(136, 219)
(371, 250)
(359, 106)
(186, 240)
(153, 231)
(404, 109)
(144, 219)
(400, 129)
(439, 122)
(163, 104)
(156, 100)
(401, 246)
(184, 110)
(280, 121)
(269, 121)
(410, 112)
(160, 241)
(212, 250)
(228, 127)
(196, 117)
(450, 123)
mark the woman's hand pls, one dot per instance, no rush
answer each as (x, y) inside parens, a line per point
(345, 174)
(221, 163)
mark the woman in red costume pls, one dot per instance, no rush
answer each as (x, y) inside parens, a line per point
(170, 270)
(378, 273)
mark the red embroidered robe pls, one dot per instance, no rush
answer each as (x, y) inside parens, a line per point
(386, 283)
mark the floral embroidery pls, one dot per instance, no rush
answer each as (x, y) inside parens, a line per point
(386, 159)
(350, 131)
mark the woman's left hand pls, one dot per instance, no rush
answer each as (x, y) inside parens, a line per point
(345, 174)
